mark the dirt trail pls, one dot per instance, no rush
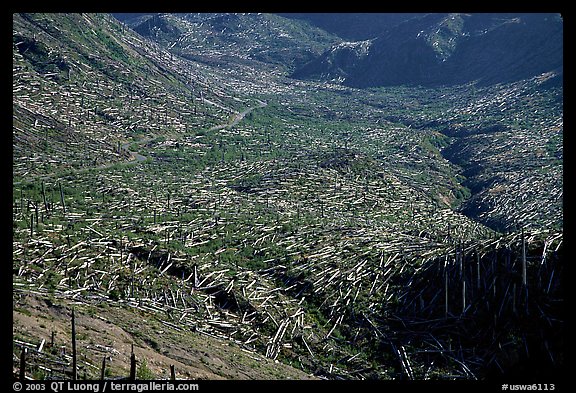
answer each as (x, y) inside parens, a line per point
(136, 157)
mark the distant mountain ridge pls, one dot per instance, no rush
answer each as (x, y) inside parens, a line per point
(354, 26)
(447, 49)
(225, 38)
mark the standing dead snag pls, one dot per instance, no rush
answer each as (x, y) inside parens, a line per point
(524, 275)
(36, 213)
(103, 372)
(463, 296)
(23, 364)
(74, 358)
(446, 288)
(44, 198)
(131, 262)
(132, 365)
(478, 270)
(62, 197)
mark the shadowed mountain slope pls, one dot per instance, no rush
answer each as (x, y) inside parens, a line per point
(447, 49)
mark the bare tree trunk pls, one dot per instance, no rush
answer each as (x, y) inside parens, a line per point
(74, 358)
(36, 213)
(103, 372)
(132, 365)
(463, 296)
(445, 291)
(478, 269)
(524, 274)
(44, 197)
(132, 268)
(23, 364)
(195, 280)
(62, 197)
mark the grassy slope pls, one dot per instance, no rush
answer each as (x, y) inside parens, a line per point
(110, 331)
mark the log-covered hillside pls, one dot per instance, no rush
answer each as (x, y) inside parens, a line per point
(225, 219)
